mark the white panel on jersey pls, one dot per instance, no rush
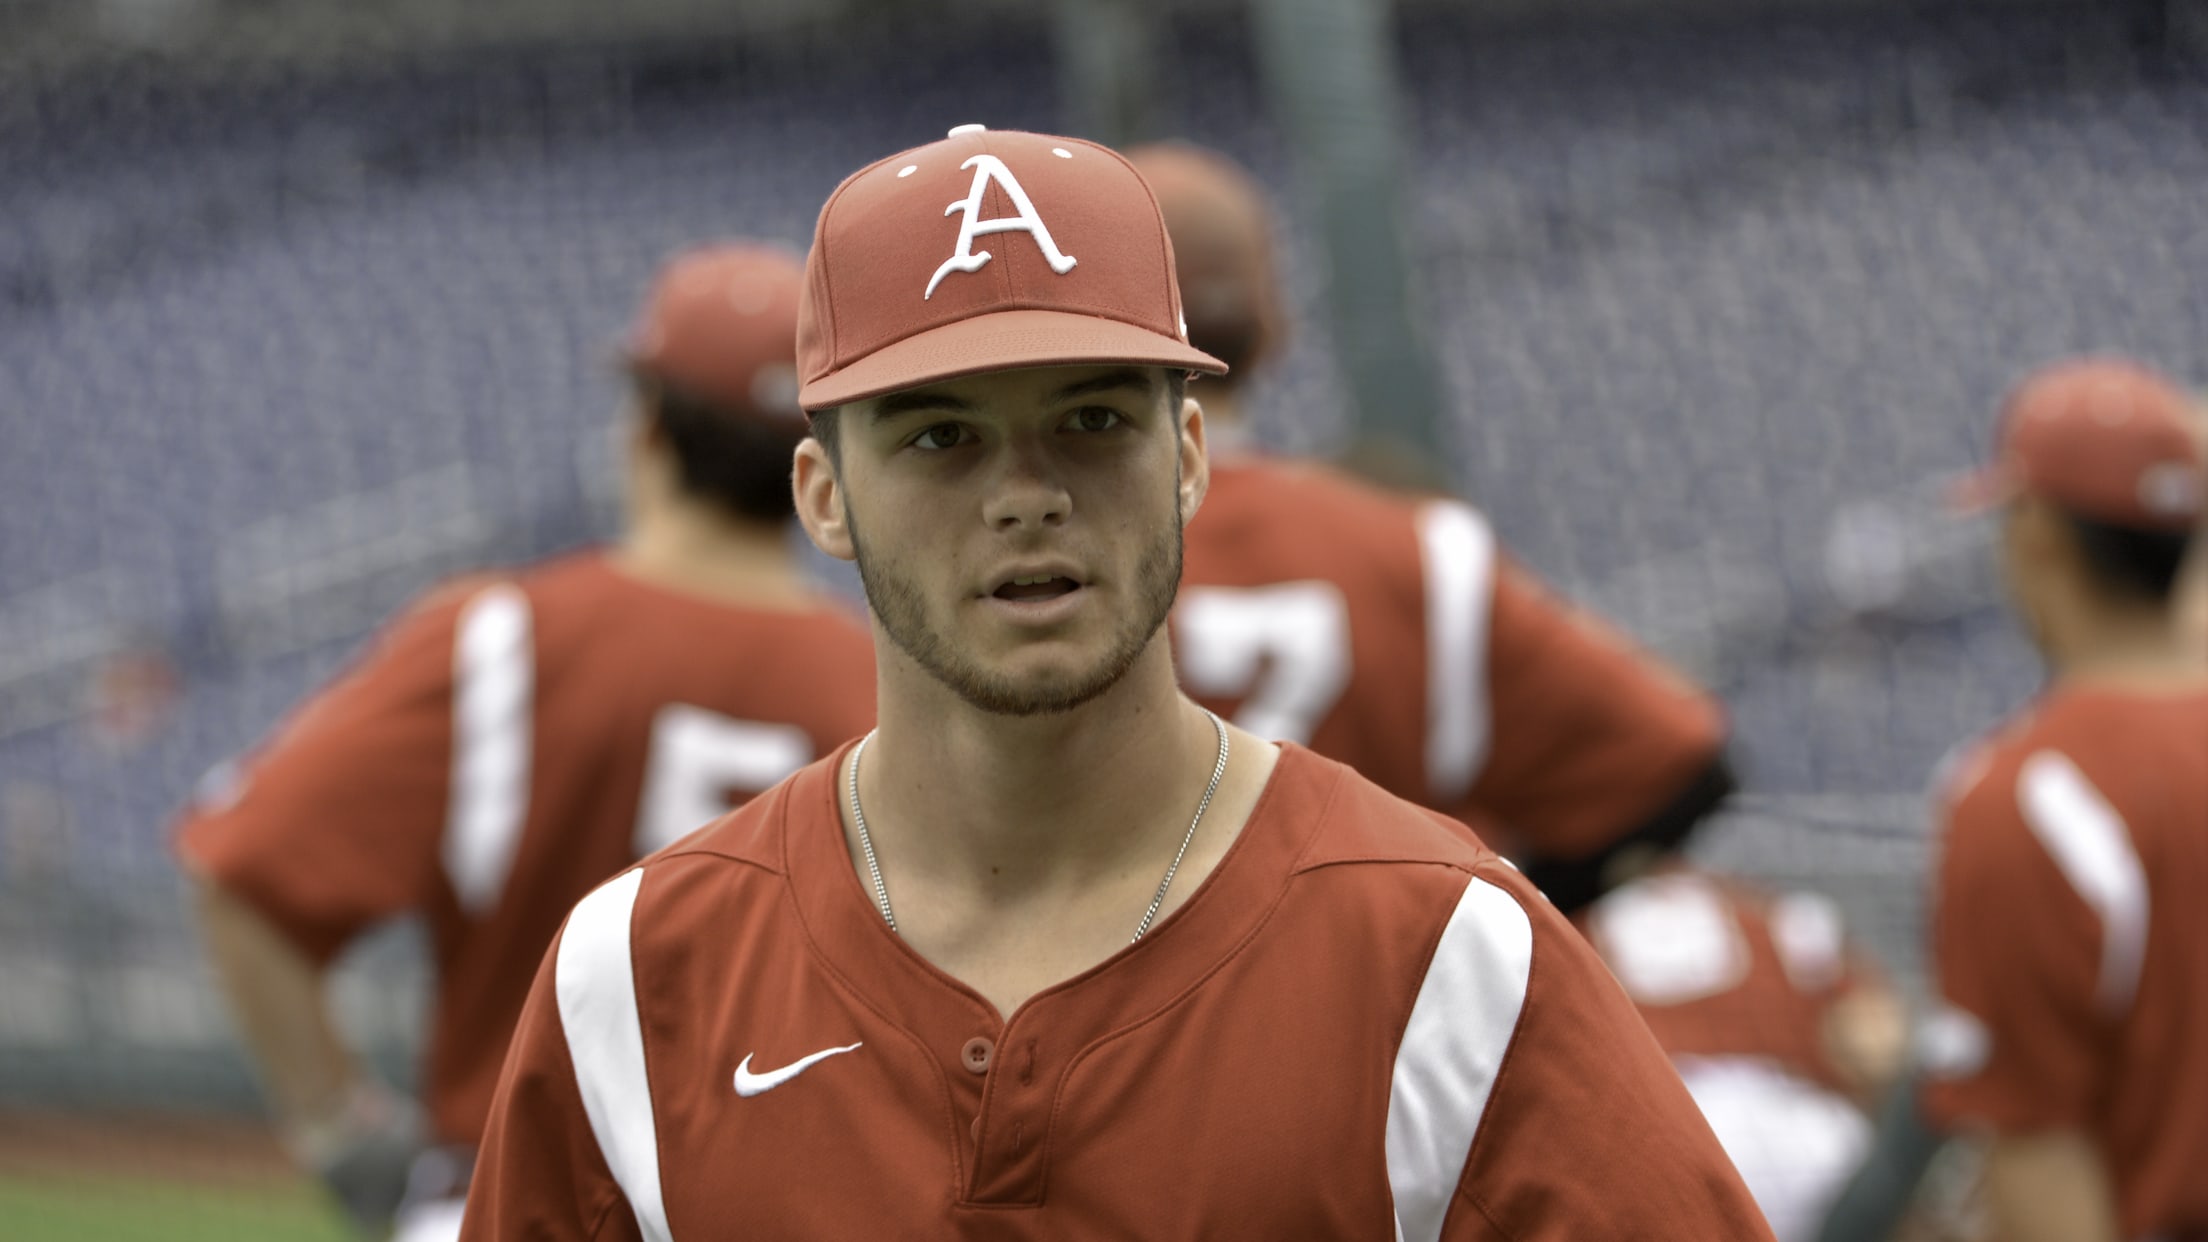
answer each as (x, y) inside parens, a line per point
(493, 691)
(1951, 1042)
(1282, 649)
(437, 1220)
(1461, 1024)
(698, 758)
(1458, 551)
(594, 979)
(1808, 932)
(1670, 939)
(2091, 845)
(1795, 1144)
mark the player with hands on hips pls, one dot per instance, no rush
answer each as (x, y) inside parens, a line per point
(512, 739)
(1395, 633)
(1056, 953)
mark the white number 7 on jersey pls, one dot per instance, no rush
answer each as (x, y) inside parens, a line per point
(698, 758)
(1282, 649)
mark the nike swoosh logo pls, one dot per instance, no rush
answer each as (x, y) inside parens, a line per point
(749, 1084)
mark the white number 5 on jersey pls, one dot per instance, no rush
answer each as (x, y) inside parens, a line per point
(1282, 649)
(698, 759)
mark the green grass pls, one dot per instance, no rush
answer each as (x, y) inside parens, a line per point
(131, 1209)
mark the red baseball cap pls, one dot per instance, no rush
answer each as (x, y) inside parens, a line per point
(721, 326)
(991, 250)
(2105, 438)
(1222, 244)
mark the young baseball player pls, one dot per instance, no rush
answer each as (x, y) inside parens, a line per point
(2070, 938)
(1395, 634)
(1056, 953)
(513, 739)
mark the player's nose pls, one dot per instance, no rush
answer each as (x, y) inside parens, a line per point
(1024, 489)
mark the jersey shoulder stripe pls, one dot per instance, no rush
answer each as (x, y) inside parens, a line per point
(1457, 554)
(2092, 847)
(595, 985)
(493, 691)
(1460, 1029)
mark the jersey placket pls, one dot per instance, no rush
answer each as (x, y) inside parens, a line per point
(1010, 1131)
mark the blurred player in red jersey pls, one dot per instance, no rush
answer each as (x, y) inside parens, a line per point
(1784, 1031)
(2070, 936)
(1057, 953)
(1395, 634)
(514, 739)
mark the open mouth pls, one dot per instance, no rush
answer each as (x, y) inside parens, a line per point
(1036, 587)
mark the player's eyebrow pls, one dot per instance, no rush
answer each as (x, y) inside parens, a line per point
(1122, 379)
(896, 403)
(1111, 381)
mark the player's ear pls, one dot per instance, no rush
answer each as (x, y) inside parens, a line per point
(2035, 536)
(819, 496)
(648, 456)
(1195, 459)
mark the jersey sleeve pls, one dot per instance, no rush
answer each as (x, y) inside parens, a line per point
(335, 823)
(1588, 1131)
(539, 1173)
(2017, 1040)
(1590, 735)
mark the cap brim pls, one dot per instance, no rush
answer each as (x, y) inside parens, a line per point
(1981, 490)
(1002, 341)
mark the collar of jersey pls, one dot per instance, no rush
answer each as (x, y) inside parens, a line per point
(1218, 918)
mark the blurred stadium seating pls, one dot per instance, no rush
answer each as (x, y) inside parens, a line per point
(1717, 303)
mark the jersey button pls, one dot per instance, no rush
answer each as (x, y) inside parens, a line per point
(976, 1055)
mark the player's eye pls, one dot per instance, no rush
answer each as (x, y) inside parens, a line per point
(1095, 418)
(940, 436)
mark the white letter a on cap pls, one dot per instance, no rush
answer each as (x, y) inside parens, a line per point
(988, 168)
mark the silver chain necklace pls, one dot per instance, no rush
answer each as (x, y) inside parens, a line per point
(881, 890)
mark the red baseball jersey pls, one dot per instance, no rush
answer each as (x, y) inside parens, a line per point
(2071, 940)
(1737, 986)
(500, 749)
(1721, 970)
(1361, 1025)
(1396, 636)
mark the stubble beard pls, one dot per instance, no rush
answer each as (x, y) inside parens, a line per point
(901, 607)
